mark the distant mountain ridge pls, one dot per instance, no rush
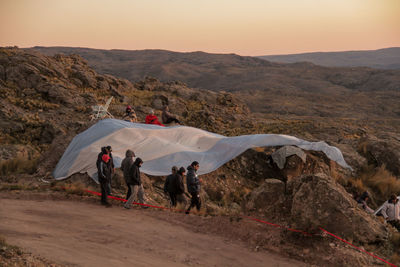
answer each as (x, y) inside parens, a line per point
(266, 87)
(386, 58)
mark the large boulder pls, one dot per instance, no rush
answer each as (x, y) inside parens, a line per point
(318, 201)
(267, 196)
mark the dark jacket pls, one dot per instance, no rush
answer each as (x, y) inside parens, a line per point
(99, 156)
(178, 182)
(192, 181)
(126, 164)
(363, 197)
(134, 173)
(169, 184)
(111, 161)
(104, 171)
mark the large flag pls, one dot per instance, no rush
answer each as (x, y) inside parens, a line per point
(163, 147)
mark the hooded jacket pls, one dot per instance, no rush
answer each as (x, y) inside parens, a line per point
(391, 211)
(134, 173)
(127, 163)
(192, 181)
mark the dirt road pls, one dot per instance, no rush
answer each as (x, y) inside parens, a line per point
(87, 234)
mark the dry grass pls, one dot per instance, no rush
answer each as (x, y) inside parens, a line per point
(395, 239)
(378, 181)
(382, 181)
(18, 165)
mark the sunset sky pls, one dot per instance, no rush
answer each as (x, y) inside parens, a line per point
(245, 27)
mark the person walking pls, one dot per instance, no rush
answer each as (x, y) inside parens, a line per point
(391, 211)
(125, 167)
(135, 183)
(169, 186)
(193, 186)
(179, 186)
(104, 175)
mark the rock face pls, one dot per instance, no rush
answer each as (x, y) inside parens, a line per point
(269, 195)
(318, 201)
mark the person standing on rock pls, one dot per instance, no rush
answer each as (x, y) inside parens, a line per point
(391, 211)
(193, 186)
(167, 117)
(169, 187)
(135, 184)
(125, 167)
(104, 175)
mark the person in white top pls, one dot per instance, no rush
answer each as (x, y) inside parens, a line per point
(391, 211)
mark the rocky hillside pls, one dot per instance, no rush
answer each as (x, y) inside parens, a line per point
(46, 101)
(298, 89)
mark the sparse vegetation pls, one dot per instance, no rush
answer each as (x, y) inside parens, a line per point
(378, 181)
(18, 165)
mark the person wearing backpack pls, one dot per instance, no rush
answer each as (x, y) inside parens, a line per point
(135, 184)
(193, 186)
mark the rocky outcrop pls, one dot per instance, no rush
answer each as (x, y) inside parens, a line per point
(318, 201)
(268, 197)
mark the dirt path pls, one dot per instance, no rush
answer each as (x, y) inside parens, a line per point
(87, 234)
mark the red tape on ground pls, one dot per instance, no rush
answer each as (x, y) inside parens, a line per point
(257, 220)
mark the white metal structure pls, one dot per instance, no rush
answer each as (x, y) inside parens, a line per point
(101, 112)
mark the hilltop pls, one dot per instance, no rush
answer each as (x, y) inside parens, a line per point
(386, 58)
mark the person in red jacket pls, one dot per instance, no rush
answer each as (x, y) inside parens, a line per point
(152, 119)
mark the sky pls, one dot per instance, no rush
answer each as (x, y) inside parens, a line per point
(244, 27)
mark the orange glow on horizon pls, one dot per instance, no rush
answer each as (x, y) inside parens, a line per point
(252, 27)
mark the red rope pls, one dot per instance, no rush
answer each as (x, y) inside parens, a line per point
(360, 249)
